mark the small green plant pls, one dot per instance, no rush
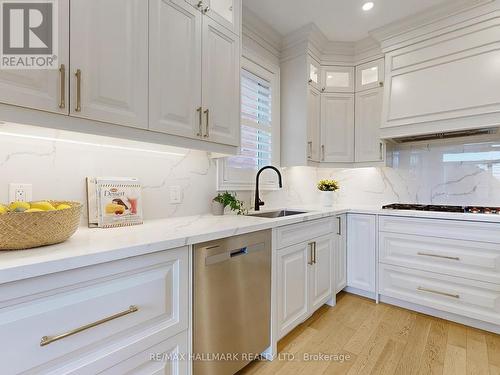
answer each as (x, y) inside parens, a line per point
(328, 185)
(229, 200)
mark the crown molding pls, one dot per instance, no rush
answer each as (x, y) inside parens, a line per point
(259, 32)
(430, 20)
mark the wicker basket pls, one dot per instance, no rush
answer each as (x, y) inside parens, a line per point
(27, 230)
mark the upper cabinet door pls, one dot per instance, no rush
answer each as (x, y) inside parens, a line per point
(337, 128)
(220, 84)
(313, 124)
(175, 68)
(337, 79)
(226, 13)
(314, 73)
(370, 75)
(42, 89)
(368, 145)
(109, 64)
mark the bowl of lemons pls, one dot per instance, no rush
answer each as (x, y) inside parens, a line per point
(25, 225)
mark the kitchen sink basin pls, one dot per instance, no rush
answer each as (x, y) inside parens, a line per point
(275, 214)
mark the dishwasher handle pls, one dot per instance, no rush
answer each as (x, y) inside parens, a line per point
(238, 252)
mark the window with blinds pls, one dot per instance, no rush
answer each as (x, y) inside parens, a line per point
(256, 123)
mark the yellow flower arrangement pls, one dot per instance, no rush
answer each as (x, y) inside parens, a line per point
(328, 185)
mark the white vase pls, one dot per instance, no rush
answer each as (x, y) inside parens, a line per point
(217, 208)
(327, 198)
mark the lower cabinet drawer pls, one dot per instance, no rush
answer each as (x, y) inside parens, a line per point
(473, 299)
(469, 259)
(302, 232)
(66, 326)
(168, 357)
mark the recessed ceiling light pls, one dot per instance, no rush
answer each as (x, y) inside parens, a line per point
(367, 6)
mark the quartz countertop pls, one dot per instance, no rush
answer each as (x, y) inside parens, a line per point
(93, 246)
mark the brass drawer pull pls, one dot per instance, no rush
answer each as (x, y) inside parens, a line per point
(314, 252)
(309, 149)
(200, 110)
(62, 87)
(46, 340)
(207, 128)
(311, 256)
(421, 289)
(78, 76)
(438, 256)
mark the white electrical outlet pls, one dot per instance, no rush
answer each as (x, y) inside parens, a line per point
(20, 192)
(175, 194)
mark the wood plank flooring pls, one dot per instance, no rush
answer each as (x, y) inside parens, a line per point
(382, 339)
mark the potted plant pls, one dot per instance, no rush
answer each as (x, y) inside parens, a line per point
(226, 199)
(327, 189)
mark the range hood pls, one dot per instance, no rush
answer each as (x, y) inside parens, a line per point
(446, 135)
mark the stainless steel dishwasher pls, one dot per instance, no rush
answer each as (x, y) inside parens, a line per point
(232, 302)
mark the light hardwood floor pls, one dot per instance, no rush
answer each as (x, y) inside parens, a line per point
(383, 339)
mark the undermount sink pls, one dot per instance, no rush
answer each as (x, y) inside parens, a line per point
(275, 214)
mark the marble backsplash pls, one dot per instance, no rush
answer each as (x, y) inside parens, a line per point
(57, 162)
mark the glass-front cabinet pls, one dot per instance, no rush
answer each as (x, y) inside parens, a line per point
(370, 75)
(314, 73)
(337, 79)
(225, 12)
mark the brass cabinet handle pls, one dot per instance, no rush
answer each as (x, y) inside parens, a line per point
(323, 89)
(381, 150)
(310, 262)
(309, 149)
(200, 126)
(206, 10)
(322, 152)
(421, 289)
(200, 4)
(46, 340)
(78, 76)
(438, 256)
(339, 225)
(207, 126)
(381, 84)
(62, 87)
(314, 252)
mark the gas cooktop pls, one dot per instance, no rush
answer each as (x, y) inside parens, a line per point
(443, 208)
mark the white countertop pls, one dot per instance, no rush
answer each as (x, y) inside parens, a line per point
(93, 246)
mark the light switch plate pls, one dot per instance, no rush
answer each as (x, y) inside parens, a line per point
(175, 194)
(20, 192)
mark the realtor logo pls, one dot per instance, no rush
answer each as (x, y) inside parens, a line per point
(29, 34)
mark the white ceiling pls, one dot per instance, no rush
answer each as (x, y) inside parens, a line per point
(339, 20)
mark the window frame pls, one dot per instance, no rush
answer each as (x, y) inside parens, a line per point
(269, 72)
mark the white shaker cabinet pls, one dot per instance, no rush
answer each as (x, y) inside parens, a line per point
(370, 75)
(313, 124)
(45, 90)
(109, 61)
(175, 90)
(368, 112)
(361, 252)
(304, 271)
(337, 127)
(293, 285)
(226, 13)
(220, 84)
(340, 256)
(337, 79)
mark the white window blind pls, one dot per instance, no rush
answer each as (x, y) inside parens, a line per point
(256, 123)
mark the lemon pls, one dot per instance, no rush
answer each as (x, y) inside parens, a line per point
(3, 210)
(14, 205)
(44, 206)
(34, 210)
(63, 207)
